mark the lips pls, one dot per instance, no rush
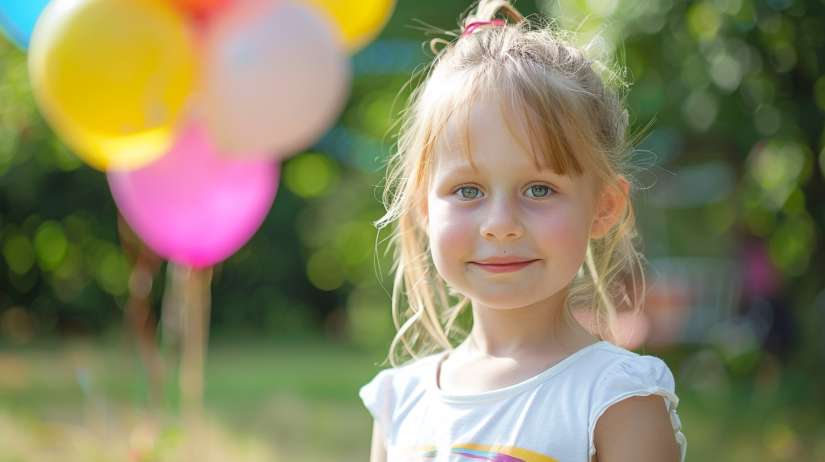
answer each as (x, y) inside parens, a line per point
(503, 264)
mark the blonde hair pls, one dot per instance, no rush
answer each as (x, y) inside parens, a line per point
(572, 105)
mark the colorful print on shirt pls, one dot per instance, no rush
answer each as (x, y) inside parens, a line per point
(475, 452)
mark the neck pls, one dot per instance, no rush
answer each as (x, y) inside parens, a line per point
(510, 332)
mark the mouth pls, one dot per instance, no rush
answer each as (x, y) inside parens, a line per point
(502, 264)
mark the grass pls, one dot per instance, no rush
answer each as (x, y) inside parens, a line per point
(299, 401)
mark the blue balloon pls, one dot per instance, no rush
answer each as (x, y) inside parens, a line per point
(17, 18)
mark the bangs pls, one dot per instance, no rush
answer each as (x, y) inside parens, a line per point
(547, 130)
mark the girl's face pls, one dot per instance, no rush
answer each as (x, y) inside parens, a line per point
(506, 235)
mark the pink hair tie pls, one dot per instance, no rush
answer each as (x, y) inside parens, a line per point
(472, 26)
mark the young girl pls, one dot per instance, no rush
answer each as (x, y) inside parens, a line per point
(509, 195)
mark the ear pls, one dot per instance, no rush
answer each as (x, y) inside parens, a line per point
(611, 203)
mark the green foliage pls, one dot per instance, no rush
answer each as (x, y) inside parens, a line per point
(735, 88)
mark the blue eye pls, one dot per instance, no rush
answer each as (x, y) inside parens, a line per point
(469, 192)
(538, 191)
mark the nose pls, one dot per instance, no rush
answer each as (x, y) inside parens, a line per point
(501, 220)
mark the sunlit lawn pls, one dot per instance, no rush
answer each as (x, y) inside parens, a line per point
(300, 401)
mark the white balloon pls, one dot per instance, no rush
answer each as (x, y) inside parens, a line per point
(275, 78)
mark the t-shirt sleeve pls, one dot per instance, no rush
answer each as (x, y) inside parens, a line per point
(638, 376)
(379, 399)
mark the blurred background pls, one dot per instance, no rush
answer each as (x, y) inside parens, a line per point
(731, 213)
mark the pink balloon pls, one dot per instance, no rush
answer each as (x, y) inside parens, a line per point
(193, 207)
(275, 77)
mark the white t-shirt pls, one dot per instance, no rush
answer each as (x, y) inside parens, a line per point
(549, 417)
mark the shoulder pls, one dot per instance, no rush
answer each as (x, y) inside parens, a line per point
(634, 406)
(609, 369)
(394, 387)
(397, 380)
(627, 371)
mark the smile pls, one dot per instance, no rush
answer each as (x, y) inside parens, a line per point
(502, 268)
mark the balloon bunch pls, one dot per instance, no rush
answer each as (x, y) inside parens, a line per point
(188, 105)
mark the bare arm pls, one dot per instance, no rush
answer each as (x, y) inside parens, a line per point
(377, 451)
(636, 429)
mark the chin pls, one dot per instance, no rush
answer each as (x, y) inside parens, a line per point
(507, 300)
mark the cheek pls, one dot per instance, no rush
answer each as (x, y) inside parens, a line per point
(564, 235)
(451, 234)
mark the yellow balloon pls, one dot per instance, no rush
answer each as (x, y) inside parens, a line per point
(361, 20)
(111, 76)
